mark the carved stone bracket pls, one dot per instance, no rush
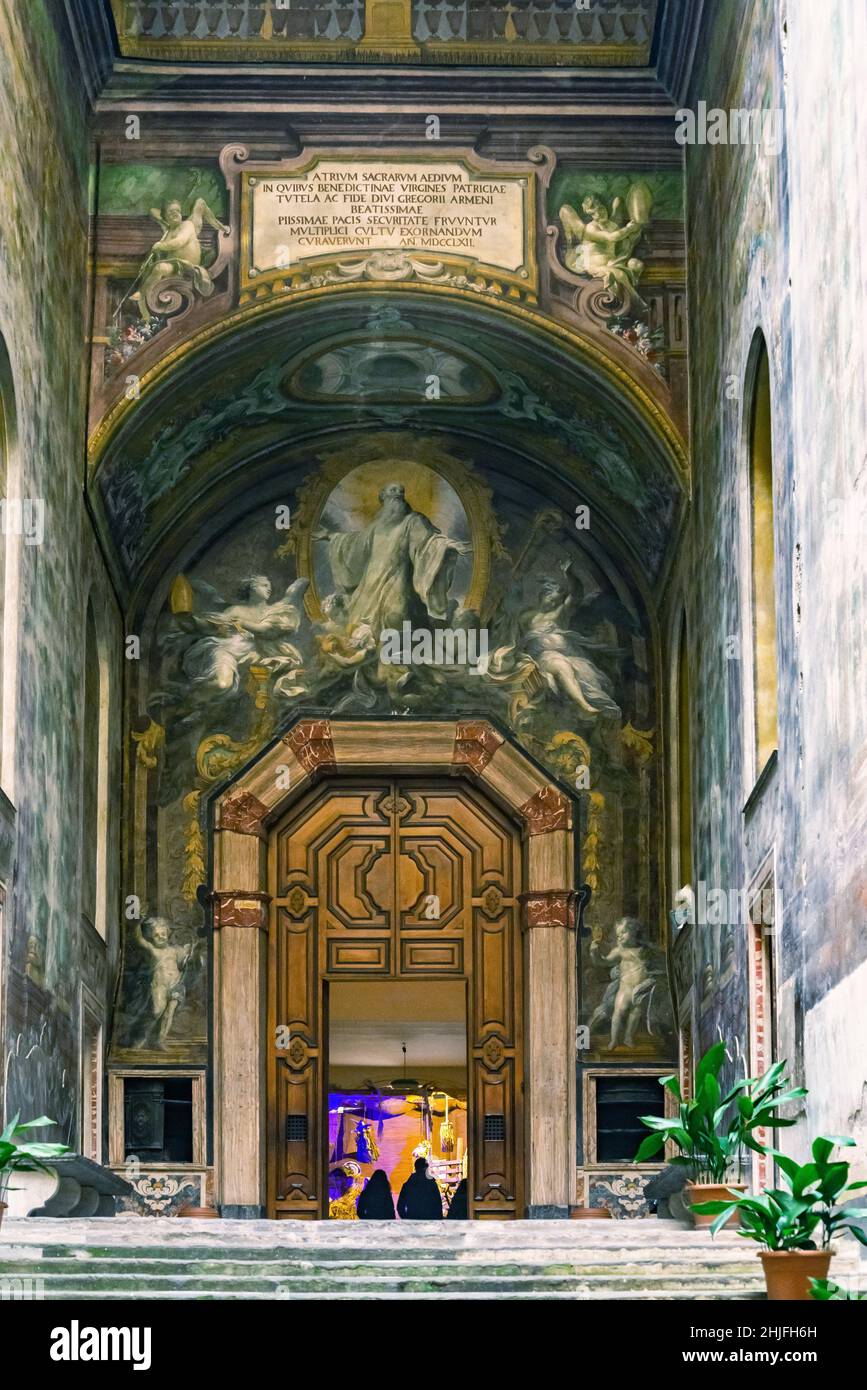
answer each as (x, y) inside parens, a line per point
(311, 743)
(241, 909)
(554, 908)
(548, 809)
(244, 814)
(476, 742)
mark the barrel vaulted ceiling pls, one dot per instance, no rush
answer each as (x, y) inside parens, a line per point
(242, 423)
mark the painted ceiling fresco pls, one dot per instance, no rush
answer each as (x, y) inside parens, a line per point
(373, 367)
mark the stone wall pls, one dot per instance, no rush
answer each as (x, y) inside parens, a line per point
(50, 954)
(774, 247)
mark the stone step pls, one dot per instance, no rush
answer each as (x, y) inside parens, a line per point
(136, 1233)
(134, 1283)
(700, 1294)
(571, 1254)
(412, 1263)
(168, 1270)
(133, 1259)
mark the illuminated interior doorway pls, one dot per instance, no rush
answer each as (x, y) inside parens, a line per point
(397, 1086)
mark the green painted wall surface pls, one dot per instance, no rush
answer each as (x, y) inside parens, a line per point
(50, 955)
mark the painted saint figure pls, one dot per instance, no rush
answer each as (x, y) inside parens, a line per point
(178, 252)
(559, 652)
(397, 569)
(546, 638)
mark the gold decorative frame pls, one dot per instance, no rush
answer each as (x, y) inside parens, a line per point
(525, 279)
(474, 496)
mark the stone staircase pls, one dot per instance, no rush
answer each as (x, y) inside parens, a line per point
(137, 1258)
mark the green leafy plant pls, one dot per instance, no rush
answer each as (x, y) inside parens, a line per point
(711, 1130)
(19, 1156)
(807, 1216)
(825, 1290)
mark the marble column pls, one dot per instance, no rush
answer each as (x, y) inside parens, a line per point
(240, 958)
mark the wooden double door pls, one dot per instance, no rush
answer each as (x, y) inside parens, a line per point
(404, 879)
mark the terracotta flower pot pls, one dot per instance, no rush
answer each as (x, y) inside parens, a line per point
(200, 1213)
(710, 1192)
(589, 1214)
(788, 1273)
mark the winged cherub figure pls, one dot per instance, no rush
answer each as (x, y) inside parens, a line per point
(178, 252)
(602, 245)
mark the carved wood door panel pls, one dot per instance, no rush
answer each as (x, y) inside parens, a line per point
(394, 879)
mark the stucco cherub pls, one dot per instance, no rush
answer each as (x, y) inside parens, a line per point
(602, 246)
(637, 969)
(178, 252)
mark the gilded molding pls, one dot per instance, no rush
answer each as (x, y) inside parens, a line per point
(600, 55)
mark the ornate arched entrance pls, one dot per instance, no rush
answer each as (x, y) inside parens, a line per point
(475, 805)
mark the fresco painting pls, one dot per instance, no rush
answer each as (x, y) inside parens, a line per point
(284, 614)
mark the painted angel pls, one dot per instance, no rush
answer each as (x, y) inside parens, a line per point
(602, 246)
(178, 252)
(254, 630)
(547, 639)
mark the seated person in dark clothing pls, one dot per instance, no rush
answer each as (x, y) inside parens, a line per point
(376, 1202)
(459, 1205)
(420, 1198)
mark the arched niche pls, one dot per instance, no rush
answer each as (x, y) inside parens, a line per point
(546, 391)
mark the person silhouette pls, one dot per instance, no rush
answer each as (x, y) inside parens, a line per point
(420, 1198)
(459, 1205)
(376, 1202)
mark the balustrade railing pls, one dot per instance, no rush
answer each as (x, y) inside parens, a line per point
(527, 30)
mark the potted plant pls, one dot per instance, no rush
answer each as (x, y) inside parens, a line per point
(796, 1226)
(711, 1130)
(22, 1157)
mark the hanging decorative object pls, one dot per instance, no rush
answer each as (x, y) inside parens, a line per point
(447, 1131)
(367, 1150)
